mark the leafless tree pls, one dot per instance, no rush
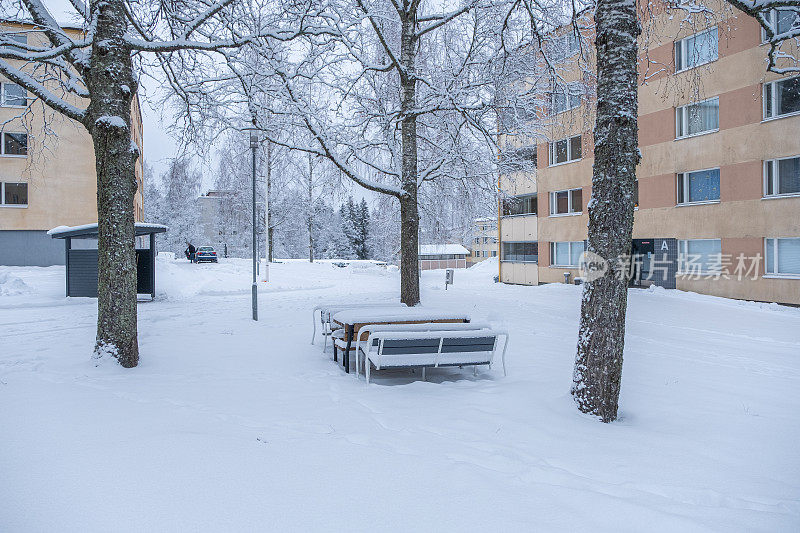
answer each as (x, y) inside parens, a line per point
(90, 77)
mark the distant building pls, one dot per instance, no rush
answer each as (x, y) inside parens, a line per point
(484, 240)
(433, 256)
(46, 179)
(219, 222)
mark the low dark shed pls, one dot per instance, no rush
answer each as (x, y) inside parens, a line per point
(81, 277)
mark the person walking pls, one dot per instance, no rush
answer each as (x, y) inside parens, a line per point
(190, 253)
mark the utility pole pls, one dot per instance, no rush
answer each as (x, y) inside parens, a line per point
(254, 289)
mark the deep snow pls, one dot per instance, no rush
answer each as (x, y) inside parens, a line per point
(229, 424)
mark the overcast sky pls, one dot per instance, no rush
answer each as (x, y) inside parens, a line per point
(159, 145)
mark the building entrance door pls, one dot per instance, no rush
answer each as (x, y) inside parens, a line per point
(641, 262)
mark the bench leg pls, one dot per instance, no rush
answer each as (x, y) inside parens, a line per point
(346, 354)
(423, 374)
(334, 352)
(475, 370)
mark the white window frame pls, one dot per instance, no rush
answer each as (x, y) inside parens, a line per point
(3, 95)
(772, 87)
(684, 112)
(3, 144)
(553, 253)
(682, 178)
(773, 22)
(21, 38)
(3, 196)
(552, 151)
(775, 259)
(565, 40)
(683, 252)
(680, 48)
(776, 178)
(570, 208)
(566, 91)
(503, 257)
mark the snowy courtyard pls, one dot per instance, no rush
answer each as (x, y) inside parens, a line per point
(230, 424)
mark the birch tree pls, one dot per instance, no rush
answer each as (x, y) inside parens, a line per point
(90, 77)
(383, 104)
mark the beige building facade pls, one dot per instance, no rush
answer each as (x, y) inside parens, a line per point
(484, 240)
(47, 170)
(718, 189)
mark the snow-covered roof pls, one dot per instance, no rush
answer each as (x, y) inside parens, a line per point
(90, 230)
(442, 249)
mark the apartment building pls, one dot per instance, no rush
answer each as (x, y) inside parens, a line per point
(484, 240)
(718, 186)
(47, 169)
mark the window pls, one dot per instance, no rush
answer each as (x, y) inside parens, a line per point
(699, 256)
(782, 97)
(782, 257)
(567, 202)
(21, 38)
(780, 21)
(13, 95)
(699, 49)
(566, 254)
(635, 194)
(486, 240)
(694, 119)
(494, 253)
(562, 47)
(520, 205)
(14, 194)
(514, 160)
(15, 144)
(565, 150)
(698, 187)
(563, 98)
(477, 240)
(782, 177)
(520, 252)
(476, 253)
(484, 253)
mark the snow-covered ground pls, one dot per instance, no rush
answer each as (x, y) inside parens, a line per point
(229, 424)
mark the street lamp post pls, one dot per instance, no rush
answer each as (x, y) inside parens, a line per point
(254, 289)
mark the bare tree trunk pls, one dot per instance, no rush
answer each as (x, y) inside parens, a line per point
(310, 219)
(112, 86)
(409, 210)
(269, 195)
(598, 366)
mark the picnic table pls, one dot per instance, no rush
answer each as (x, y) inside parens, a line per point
(352, 320)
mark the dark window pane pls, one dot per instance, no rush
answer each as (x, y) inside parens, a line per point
(789, 175)
(575, 147)
(561, 151)
(577, 200)
(15, 144)
(788, 97)
(562, 202)
(16, 194)
(14, 95)
(636, 193)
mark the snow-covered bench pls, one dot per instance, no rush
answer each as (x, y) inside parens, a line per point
(340, 342)
(398, 348)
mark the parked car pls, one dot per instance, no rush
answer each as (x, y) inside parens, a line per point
(206, 253)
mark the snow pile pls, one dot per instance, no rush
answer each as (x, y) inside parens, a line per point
(11, 285)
